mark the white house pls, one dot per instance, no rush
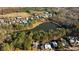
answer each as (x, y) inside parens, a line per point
(72, 39)
(20, 21)
(24, 21)
(17, 21)
(63, 41)
(32, 18)
(18, 17)
(46, 12)
(45, 15)
(2, 21)
(37, 17)
(27, 18)
(48, 46)
(35, 44)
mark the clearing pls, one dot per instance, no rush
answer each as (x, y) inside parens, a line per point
(13, 15)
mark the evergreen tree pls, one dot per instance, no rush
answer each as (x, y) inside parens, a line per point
(7, 47)
(19, 40)
(28, 42)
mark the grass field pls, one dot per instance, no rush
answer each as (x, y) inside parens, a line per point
(22, 14)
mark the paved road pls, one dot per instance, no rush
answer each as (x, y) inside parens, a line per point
(54, 23)
(72, 49)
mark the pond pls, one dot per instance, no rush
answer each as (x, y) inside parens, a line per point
(46, 26)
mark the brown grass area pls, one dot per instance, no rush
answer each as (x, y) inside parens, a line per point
(35, 24)
(22, 14)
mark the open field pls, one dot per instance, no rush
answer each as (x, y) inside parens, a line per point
(13, 15)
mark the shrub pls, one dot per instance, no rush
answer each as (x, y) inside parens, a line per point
(7, 47)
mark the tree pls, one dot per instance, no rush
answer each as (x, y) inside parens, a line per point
(7, 47)
(50, 34)
(45, 37)
(28, 42)
(19, 40)
(18, 26)
(59, 32)
(36, 36)
(14, 35)
(60, 46)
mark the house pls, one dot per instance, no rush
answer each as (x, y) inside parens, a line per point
(2, 21)
(54, 44)
(47, 46)
(64, 42)
(8, 38)
(45, 16)
(49, 15)
(72, 40)
(37, 17)
(27, 18)
(77, 43)
(29, 21)
(32, 18)
(18, 17)
(35, 44)
(46, 12)
(13, 21)
(17, 21)
(5, 23)
(20, 21)
(10, 23)
(41, 45)
(25, 21)
(40, 16)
